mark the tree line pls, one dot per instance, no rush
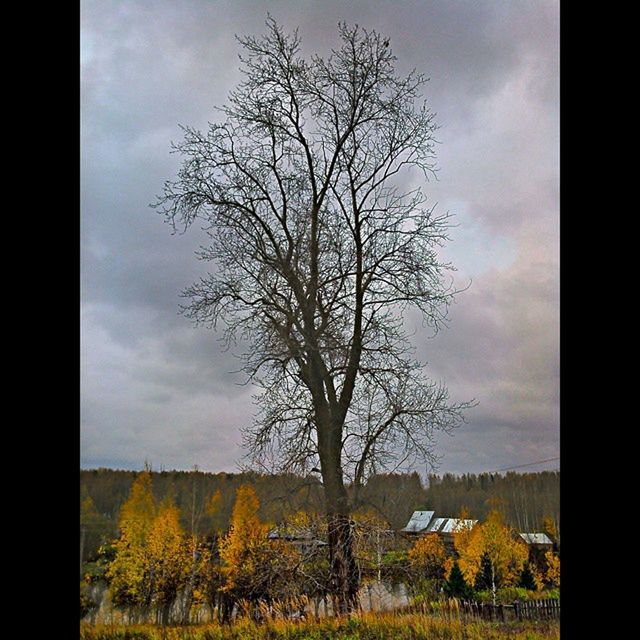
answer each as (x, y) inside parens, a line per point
(157, 570)
(526, 498)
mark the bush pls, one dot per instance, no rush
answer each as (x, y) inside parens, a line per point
(426, 590)
(507, 595)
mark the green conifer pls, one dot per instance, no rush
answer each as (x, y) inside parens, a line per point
(527, 581)
(456, 586)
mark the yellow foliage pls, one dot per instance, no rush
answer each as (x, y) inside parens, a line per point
(538, 577)
(369, 518)
(428, 555)
(463, 532)
(495, 539)
(371, 532)
(300, 519)
(549, 527)
(153, 555)
(253, 565)
(428, 549)
(168, 553)
(303, 521)
(552, 575)
(214, 503)
(240, 548)
(138, 512)
(87, 508)
(245, 509)
(471, 548)
(448, 565)
(129, 571)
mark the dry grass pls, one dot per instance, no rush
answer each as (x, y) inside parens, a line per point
(388, 626)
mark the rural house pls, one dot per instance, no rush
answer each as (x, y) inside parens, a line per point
(423, 523)
(301, 538)
(418, 522)
(538, 544)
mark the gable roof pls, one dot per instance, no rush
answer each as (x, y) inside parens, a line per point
(450, 525)
(419, 521)
(536, 538)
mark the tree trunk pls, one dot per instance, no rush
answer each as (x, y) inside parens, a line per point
(225, 609)
(166, 610)
(344, 578)
(343, 584)
(493, 584)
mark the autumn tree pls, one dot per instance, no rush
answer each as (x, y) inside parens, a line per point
(493, 548)
(255, 568)
(550, 527)
(427, 560)
(129, 573)
(552, 574)
(169, 554)
(428, 556)
(309, 191)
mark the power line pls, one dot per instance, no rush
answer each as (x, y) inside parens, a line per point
(519, 466)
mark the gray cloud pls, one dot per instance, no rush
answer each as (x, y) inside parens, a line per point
(155, 388)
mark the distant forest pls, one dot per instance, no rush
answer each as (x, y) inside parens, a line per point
(524, 498)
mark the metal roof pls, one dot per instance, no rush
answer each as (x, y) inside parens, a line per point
(436, 524)
(536, 538)
(287, 532)
(450, 525)
(293, 534)
(419, 521)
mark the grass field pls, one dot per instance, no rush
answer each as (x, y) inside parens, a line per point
(365, 627)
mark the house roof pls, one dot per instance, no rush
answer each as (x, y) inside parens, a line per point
(419, 521)
(536, 538)
(450, 525)
(286, 532)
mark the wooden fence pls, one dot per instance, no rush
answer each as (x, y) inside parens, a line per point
(545, 609)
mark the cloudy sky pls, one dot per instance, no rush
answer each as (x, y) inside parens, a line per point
(156, 389)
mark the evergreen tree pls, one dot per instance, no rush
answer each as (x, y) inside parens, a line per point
(527, 580)
(483, 577)
(456, 586)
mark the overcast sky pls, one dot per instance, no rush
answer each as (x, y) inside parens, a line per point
(156, 389)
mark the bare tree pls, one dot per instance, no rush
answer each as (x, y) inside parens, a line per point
(309, 192)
